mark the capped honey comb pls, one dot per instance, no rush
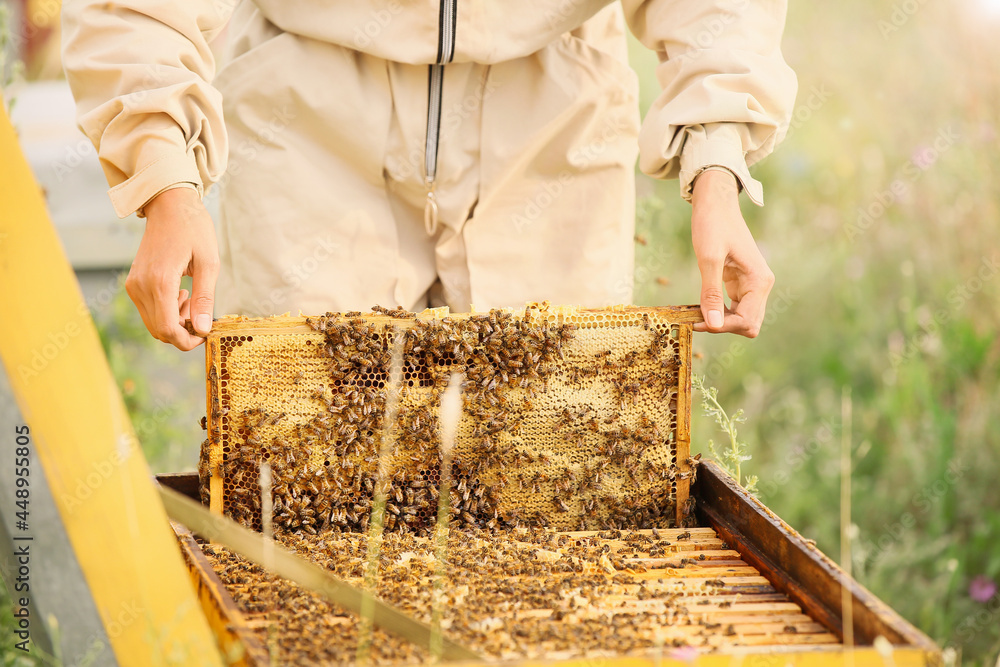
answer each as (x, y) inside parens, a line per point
(573, 419)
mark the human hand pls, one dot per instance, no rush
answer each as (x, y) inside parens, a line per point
(727, 254)
(179, 241)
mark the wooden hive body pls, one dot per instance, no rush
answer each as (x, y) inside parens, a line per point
(762, 595)
(738, 585)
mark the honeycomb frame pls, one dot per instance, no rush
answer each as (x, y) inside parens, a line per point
(284, 380)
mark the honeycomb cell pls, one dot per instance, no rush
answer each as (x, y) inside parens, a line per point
(568, 419)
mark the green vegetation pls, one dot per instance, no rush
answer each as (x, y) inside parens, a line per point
(156, 382)
(10, 656)
(11, 68)
(889, 289)
(737, 452)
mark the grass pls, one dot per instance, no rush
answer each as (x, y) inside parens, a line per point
(900, 306)
(155, 382)
(732, 457)
(9, 655)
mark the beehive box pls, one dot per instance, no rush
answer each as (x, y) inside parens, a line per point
(761, 596)
(576, 421)
(573, 418)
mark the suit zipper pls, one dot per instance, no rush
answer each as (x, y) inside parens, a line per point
(435, 88)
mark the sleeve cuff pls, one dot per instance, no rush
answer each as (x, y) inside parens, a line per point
(716, 145)
(161, 174)
(141, 211)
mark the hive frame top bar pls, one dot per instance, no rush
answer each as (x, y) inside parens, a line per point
(229, 323)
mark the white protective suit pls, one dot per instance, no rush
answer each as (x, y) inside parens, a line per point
(407, 152)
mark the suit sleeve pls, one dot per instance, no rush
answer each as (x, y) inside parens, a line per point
(727, 92)
(140, 72)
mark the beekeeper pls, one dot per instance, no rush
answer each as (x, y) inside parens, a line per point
(474, 153)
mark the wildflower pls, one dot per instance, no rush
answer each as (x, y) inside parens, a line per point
(982, 588)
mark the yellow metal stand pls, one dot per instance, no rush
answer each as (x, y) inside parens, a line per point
(84, 440)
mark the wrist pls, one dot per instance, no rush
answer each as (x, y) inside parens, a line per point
(715, 186)
(173, 196)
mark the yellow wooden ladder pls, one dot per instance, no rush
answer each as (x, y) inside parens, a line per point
(79, 426)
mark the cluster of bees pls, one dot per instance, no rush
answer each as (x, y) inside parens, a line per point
(512, 594)
(325, 469)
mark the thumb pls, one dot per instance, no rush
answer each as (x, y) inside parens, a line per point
(713, 306)
(203, 281)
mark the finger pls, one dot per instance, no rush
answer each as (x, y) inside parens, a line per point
(138, 297)
(748, 315)
(204, 275)
(185, 307)
(184, 304)
(713, 306)
(703, 326)
(746, 312)
(168, 325)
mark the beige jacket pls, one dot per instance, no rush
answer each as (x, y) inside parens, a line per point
(538, 90)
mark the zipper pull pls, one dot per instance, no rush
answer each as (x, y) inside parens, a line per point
(431, 210)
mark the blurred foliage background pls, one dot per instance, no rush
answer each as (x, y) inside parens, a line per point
(882, 225)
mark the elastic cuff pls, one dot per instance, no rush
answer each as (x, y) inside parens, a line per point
(152, 179)
(141, 211)
(716, 145)
(725, 170)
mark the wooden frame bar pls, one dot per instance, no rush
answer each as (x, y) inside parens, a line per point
(796, 567)
(238, 643)
(213, 410)
(683, 412)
